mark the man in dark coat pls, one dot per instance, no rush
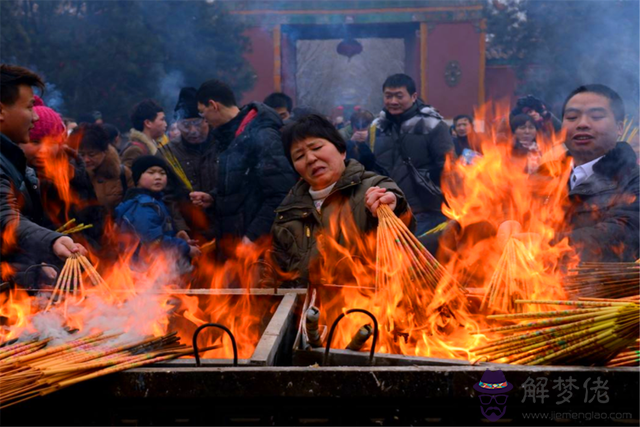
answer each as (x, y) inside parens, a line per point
(195, 150)
(602, 216)
(412, 143)
(603, 220)
(24, 240)
(254, 175)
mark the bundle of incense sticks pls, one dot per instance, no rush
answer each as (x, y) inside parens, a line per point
(67, 228)
(604, 280)
(437, 228)
(628, 357)
(509, 282)
(629, 130)
(593, 332)
(173, 161)
(402, 260)
(36, 368)
(70, 281)
(208, 247)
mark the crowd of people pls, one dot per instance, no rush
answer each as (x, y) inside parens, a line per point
(267, 169)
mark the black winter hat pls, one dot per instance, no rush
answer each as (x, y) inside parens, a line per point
(187, 106)
(145, 162)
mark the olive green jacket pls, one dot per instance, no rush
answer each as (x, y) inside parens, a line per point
(298, 223)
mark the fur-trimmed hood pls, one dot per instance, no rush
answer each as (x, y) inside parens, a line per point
(418, 112)
(137, 136)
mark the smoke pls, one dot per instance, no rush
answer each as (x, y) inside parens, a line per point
(53, 98)
(326, 79)
(138, 317)
(578, 43)
(169, 88)
(134, 315)
(49, 324)
(52, 95)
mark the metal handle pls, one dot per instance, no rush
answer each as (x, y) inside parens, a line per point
(40, 266)
(219, 326)
(325, 360)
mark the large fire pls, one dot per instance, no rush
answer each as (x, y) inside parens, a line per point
(505, 249)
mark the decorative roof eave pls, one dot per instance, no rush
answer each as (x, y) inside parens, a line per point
(436, 14)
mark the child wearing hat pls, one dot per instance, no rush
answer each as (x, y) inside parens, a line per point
(144, 213)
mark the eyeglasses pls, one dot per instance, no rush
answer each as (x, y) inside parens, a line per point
(187, 125)
(500, 399)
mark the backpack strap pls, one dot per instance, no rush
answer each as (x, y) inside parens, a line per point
(247, 119)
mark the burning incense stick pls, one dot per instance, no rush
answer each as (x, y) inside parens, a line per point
(209, 246)
(404, 266)
(67, 227)
(70, 282)
(508, 281)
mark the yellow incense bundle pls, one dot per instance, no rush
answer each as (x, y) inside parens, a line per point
(70, 282)
(408, 273)
(593, 333)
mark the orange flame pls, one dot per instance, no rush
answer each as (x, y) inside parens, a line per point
(415, 319)
(16, 307)
(55, 166)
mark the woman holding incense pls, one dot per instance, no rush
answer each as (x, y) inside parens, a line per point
(334, 198)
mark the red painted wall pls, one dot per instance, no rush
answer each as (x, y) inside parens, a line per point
(412, 59)
(501, 83)
(445, 43)
(261, 58)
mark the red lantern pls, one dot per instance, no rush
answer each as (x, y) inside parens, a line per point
(349, 47)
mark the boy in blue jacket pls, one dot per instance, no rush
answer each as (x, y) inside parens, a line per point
(144, 213)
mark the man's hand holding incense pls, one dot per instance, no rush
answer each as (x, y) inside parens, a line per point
(64, 247)
(200, 198)
(376, 196)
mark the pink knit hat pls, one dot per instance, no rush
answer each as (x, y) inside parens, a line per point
(49, 122)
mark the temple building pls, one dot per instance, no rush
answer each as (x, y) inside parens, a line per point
(330, 53)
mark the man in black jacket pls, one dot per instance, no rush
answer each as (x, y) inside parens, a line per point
(412, 143)
(253, 174)
(603, 219)
(195, 150)
(24, 240)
